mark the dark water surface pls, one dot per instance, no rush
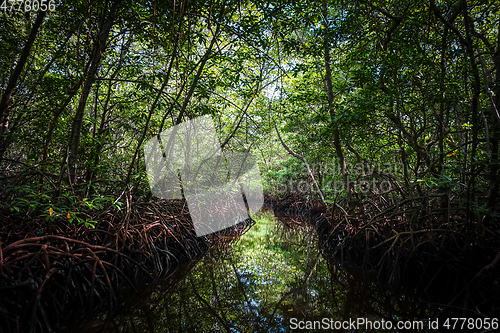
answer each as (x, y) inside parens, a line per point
(273, 279)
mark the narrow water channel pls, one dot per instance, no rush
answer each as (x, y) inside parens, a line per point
(273, 279)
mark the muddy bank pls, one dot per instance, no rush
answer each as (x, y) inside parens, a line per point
(452, 264)
(53, 275)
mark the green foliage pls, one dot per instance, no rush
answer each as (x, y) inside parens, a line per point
(404, 91)
(32, 202)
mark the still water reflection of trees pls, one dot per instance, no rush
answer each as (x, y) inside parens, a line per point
(272, 274)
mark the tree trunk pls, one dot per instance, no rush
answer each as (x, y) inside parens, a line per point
(329, 91)
(7, 94)
(494, 166)
(98, 50)
(493, 162)
(55, 119)
(96, 157)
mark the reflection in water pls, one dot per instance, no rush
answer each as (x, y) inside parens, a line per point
(273, 274)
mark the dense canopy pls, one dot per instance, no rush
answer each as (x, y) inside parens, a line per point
(362, 91)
